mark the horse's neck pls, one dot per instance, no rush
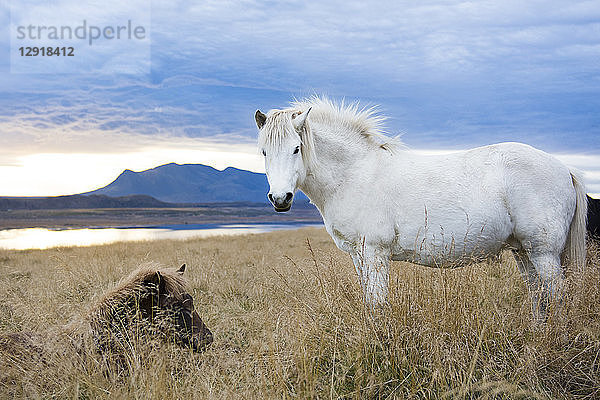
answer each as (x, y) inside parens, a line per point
(337, 164)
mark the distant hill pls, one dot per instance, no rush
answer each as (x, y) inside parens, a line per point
(78, 201)
(192, 183)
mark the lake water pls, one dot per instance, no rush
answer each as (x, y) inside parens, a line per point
(42, 238)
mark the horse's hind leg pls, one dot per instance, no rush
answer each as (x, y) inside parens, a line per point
(550, 280)
(529, 276)
(542, 274)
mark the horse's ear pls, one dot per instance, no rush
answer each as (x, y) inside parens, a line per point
(299, 119)
(260, 119)
(181, 269)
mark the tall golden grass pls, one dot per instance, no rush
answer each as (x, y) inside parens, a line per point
(288, 320)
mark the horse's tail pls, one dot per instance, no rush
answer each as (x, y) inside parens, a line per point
(574, 251)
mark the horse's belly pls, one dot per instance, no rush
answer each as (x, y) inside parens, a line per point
(437, 258)
(443, 247)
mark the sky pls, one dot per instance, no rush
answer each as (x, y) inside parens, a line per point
(449, 75)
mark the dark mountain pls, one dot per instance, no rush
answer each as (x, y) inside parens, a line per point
(78, 201)
(192, 183)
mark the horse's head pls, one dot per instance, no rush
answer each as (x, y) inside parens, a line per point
(173, 312)
(283, 139)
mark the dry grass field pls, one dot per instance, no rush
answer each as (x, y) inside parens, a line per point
(288, 322)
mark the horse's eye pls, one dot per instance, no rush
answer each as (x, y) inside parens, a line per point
(297, 149)
(264, 153)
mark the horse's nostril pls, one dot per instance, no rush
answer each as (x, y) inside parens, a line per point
(288, 196)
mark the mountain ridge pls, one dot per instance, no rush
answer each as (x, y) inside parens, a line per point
(191, 183)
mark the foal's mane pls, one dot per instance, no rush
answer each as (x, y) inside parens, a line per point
(136, 284)
(361, 123)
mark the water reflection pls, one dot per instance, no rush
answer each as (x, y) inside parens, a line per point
(42, 238)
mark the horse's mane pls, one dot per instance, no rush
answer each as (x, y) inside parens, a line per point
(133, 285)
(363, 122)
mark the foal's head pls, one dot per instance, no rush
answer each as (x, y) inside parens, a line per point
(156, 299)
(172, 310)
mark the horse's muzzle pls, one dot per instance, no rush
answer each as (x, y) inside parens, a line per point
(202, 341)
(281, 203)
(201, 337)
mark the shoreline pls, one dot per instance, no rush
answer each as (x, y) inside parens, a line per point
(143, 218)
(42, 238)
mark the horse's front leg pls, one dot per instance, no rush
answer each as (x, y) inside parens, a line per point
(373, 269)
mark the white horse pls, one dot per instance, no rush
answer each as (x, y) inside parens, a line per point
(381, 202)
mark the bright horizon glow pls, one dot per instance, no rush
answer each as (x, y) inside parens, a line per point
(54, 174)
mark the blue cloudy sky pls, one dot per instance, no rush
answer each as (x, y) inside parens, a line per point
(448, 74)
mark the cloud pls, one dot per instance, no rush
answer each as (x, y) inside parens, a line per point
(448, 64)
(398, 41)
(58, 133)
(297, 46)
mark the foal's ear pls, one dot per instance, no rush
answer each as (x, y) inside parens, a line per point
(260, 119)
(299, 119)
(181, 269)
